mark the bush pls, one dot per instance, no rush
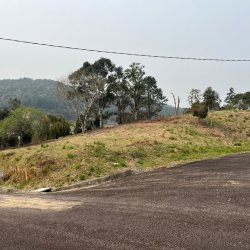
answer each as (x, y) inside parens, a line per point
(58, 127)
(199, 109)
(32, 125)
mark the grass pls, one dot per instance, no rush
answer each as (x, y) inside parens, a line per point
(143, 145)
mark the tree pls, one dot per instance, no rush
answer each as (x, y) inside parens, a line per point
(87, 90)
(58, 127)
(80, 90)
(211, 99)
(14, 103)
(194, 97)
(69, 90)
(246, 100)
(119, 92)
(154, 98)
(101, 69)
(134, 76)
(176, 104)
(24, 122)
(94, 87)
(31, 125)
(230, 97)
(242, 101)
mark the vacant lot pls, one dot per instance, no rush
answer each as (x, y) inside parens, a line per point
(202, 205)
(143, 145)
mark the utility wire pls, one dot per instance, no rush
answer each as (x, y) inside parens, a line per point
(126, 53)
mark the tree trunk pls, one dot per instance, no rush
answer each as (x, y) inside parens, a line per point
(176, 104)
(149, 107)
(101, 119)
(119, 114)
(82, 125)
(85, 116)
(149, 111)
(136, 115)
(85, 119)
(84, 129)
(78, 118)
(123, 116)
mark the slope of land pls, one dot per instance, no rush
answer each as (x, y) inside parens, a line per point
(143, 145)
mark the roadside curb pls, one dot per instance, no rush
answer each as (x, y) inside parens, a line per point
(98, 181)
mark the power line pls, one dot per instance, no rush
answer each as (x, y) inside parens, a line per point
(126, 53)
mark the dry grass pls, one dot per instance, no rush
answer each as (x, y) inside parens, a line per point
(235, 122)
(143, 145)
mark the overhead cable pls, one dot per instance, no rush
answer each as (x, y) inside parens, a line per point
(125, 53)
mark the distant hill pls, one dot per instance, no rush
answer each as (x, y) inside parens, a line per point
(41, 93)
(36, 93)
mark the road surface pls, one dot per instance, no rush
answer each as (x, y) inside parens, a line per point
(201, 205)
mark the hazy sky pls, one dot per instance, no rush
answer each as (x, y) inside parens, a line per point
(188, 28)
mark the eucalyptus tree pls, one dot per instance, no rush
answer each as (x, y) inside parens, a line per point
(100, 72)
(194, 97)
(119, 92)
(136, 87)
(154, 98)
(241, 101)
(69, 90)
(87, 84)
(230, 97)
(86, 90)
(246, 100)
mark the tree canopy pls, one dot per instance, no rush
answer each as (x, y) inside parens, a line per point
(211, 98)
(95, 87)
(31, 125)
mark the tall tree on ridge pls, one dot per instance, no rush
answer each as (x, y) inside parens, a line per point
(154, 98)
(134, 76)
(230, 97)
(194, 97)
(119, 90)
(101, 70)
(211, 99)
(86, 90)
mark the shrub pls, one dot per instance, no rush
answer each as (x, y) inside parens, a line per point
(32, 125)
(71, 156)
(200, 110)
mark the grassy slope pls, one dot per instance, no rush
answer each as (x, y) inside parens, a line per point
(143, 145)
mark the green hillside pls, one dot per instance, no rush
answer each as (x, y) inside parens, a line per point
(142, 145)
(36, 93)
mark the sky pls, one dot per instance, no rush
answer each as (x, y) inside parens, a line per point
(187, 28)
